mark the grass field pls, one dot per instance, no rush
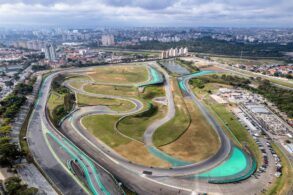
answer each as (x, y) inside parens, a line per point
(203, 93)
(233, 126)
(135, 126)
(75, 84)
(114, 104)
(281, 82)
(283, 184)
(137, 152)
(171, 130)
(199, 142)
(54, 100)
(119, 74)
(153, 91)
(227, 120)
(111, 90)
(102, 127)
(78, 76)
(227, 60)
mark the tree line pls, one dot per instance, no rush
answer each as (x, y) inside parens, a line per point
(220, 47)
(10, 152)
(282, 98)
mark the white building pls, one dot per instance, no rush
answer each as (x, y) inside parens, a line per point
(50, 52)
(164, 54)
(108, 40)
(82, 51)
(185, 51)
(34, 44)
(174, 52)
(181, 51)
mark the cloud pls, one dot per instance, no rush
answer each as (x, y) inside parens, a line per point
(145, 4)
(148, 12)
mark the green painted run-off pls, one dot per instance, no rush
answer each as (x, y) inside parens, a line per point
(162, 155)
(234, 165)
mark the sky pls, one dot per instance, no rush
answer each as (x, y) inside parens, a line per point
(111, 13)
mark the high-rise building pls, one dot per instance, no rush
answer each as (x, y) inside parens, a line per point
(33, 44)
(181, 51)
(171, 52)
(50, 52)
(162, 54)
(165, 54)
(174, 52)
(185, 51)
(108, 40)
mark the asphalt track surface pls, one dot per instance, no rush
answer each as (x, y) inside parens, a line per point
(41, 132)
(131, 174)
(148, 135)
(40, 148)
(75, 126)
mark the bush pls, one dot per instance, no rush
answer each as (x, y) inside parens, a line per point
(197, 83)
(56, 84)
(23, 89)
(149, 112)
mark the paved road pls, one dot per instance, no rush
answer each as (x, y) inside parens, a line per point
(40, 150)
(248, 74)
(47, 158)
(195, 168)
(150, 130)
(131, 174)
(138, 104)
(225, 147)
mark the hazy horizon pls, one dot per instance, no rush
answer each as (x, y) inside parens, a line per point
(163, 13)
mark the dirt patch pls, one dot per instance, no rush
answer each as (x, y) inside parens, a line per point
(92, 72)
(119, 74)
(198, 143)
(111, 90)
(214, 68)
(137, 152)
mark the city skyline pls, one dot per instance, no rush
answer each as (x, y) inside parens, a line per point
(189, 13)
(114, 97)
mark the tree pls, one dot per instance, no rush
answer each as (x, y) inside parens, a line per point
(11, 105)
(4, 130)
(14, 187)
(68, 101)
(9, 152)
(39, 67)
(289, 76)
(8, 83)
(23, 89)
(56, 84)
(197, 83)
(4, 140)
